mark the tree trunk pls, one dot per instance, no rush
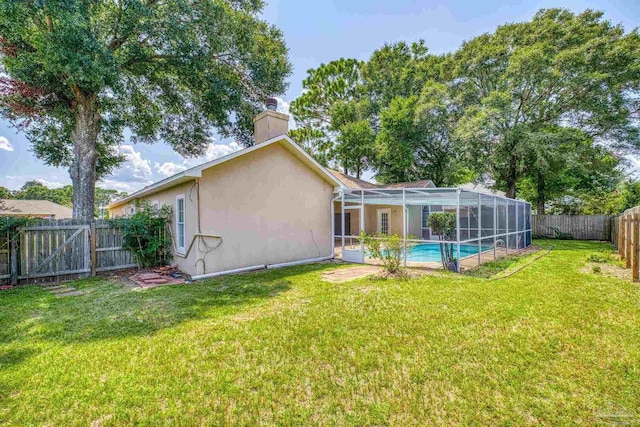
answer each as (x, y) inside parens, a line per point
(541, 199)
(85, 155)
(512, 177)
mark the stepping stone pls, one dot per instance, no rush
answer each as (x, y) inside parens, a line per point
(53, 287)
(70, 294)
(63, 290)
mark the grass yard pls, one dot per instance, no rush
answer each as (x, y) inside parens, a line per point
(553, 344)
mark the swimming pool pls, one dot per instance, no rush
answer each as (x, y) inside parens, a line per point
(430, 252)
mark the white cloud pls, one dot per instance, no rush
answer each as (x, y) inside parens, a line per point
(135, 166)
(283, 106)
(5, 144)
(51, 184)
(215, 151)
(169, 168)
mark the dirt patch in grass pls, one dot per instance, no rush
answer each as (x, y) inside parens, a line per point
(607, 270)
(351, 273)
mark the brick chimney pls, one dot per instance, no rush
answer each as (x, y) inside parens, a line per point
(270, 123)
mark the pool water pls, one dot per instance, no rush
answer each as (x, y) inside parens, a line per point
(430, 252)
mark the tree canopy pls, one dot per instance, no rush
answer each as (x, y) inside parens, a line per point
(547, 108)
(77, 73)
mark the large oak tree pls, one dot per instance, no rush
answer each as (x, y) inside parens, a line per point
(78, 73)
(559, 69)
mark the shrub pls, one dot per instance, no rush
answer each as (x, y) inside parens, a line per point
(145, 235)
(601, 257)
(444, 225)
(389, 249)
(596, 269)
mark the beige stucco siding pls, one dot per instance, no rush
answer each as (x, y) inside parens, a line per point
(267, 206)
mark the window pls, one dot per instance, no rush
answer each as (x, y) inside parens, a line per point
(180, 225)
(124, 212)
(155, 204)
(132, 210)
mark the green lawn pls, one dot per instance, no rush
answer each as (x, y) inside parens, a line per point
(548, 345)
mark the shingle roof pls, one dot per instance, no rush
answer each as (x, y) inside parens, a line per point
(357, 184)
(351, 182)
(34, 207)
(425, 183)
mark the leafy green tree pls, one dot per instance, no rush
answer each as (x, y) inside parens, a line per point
(354, 147)
(104, 197)
(415, 140)
(559, 69)
(333, 116)
(34, 190)
(564, 161)
(77, 73)
(5, 193)
(399, 70)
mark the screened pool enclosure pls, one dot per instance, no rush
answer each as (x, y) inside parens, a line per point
(487, 225)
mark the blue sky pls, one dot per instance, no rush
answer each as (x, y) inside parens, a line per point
(317, 32)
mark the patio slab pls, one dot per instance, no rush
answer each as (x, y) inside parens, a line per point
(153, 280)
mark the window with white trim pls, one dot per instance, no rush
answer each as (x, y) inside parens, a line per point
(155, 204)
(180, 224)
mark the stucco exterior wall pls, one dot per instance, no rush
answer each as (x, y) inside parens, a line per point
(267, 206)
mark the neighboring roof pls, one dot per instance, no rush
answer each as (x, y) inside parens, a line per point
(359, 184)
(425, 183)
(351, 182)
(471, 186)
(196, 172)
(34, 207)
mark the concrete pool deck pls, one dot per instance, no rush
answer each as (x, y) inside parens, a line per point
(466, 263)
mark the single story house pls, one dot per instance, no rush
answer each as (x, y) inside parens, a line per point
(272, 205)
(34, 208)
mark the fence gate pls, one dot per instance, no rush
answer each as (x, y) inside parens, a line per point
(54, 250)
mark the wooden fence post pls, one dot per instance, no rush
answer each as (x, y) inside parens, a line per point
(627, 240)
(636, 235)
(621, 228)
(94, 253)
(13, 267)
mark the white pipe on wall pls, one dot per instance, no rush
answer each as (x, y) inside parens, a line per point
(222, 273)
(304, 261)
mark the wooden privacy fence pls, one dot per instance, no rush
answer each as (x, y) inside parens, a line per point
(579, 227)
(51, 250)
(627, 240)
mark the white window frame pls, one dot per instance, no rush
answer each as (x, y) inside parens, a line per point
(155, 204)
(181, 249)
(132, 210)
